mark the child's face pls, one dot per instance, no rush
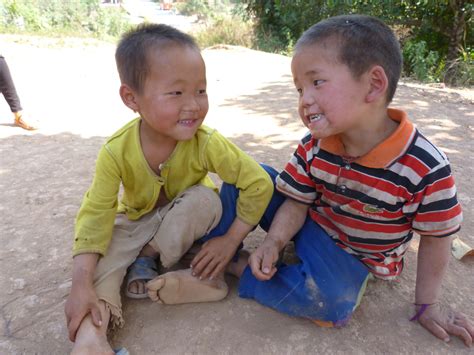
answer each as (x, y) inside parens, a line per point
(331, 101)
(173, 102)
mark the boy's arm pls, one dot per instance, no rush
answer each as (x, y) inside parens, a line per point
(82, 299)
(288, 220)
(433, 258)
(95, 219)
(255, 191)
(217, 252)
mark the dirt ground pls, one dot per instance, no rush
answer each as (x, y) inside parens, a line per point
(71, 87)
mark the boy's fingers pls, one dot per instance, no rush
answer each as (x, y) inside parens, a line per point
(255, 263)
(267, 264)
(211, 266)
(460, 332)
(436, 330)
(96, 316)
(72, 329)
(199, 256)
(466, 324)
(201, 265)
(261, 276)
(256, 267)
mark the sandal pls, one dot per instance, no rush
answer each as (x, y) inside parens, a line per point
(121, 351)
(143, 269)
(22, 123)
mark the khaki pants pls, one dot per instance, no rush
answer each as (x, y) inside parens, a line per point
(171, 230)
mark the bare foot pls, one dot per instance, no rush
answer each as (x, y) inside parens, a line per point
(145, 265)
(180, 286)
(236, 268)
(137, 287)
(91, 339)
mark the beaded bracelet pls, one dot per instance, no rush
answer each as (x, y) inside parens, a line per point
(423, 308)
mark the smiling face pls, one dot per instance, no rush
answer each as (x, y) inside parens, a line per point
(331, 100)
(173, 102)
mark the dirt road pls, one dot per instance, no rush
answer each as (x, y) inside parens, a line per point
(72, 88)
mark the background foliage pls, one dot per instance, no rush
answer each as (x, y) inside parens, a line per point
(436, 35)
(62, 17)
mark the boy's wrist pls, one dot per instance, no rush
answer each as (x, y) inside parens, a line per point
(279, 244)
(420, 308)
(84, 266)
(235, 239)
(82, 277)
(424, 304)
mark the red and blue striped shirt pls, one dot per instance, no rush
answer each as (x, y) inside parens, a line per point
(372, 205)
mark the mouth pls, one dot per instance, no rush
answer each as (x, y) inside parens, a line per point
(314, 118)
(187, 122)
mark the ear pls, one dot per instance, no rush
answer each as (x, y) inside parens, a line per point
(129, 97)
(378, 84)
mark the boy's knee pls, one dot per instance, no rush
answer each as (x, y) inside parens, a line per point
(205, 203)
(193, 214)
(330, 303)
(339, 304)
(203, 197)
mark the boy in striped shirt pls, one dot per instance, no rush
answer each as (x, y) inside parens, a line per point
(358, 186)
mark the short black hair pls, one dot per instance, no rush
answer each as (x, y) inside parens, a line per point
(132, 51)
(361, 41)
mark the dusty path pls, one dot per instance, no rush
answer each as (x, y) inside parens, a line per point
(73, 89)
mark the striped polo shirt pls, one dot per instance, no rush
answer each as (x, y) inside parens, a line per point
(372, 205)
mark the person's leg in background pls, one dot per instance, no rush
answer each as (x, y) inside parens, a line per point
(7, 88)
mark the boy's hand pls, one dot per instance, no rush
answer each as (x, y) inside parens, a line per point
(442, 321)
(80, 302)
(263, 260)
(213, 257)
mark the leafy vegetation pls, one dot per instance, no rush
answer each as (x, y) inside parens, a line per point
(57, 17)
(221, 23)
(225, 29)
(437, 33)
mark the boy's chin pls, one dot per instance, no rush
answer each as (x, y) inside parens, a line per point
(317, 134)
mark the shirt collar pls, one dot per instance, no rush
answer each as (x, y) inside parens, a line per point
(387, 151)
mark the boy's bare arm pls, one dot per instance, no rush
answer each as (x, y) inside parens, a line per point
(82, 300)
(216, 253)
(433, 259)
(288, 220)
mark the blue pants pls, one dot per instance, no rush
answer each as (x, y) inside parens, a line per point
(327, 282)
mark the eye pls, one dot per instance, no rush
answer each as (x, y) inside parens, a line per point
(175, 93)
(318, 82)
(202, 92)
(300, 91)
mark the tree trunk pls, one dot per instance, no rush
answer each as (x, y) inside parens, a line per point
(457, 30)
(456, 34)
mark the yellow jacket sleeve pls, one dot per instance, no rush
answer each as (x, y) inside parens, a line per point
(237, 168)
(95, 220)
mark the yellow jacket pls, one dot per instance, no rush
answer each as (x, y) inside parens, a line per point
(121, 161)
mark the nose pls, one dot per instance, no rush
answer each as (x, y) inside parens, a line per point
(307, 98)
(192, 103)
